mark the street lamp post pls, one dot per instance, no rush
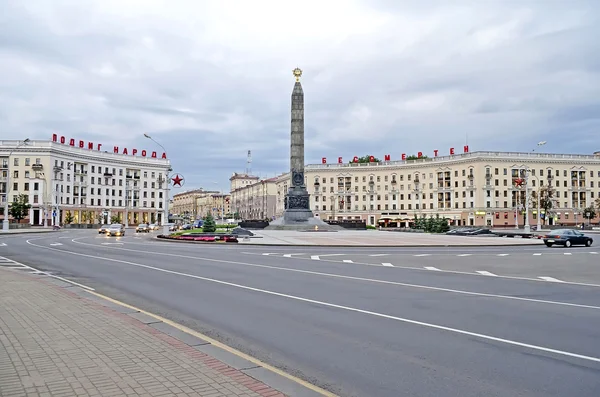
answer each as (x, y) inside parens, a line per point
(165, 220)
(5, 221)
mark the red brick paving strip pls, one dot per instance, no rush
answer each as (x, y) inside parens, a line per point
(55, 343)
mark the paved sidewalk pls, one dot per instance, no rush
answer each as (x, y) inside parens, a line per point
(55, 343)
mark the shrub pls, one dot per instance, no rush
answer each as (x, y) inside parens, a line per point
(209, 225)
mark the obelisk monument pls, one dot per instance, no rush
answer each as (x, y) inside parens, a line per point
(297, 208)
(297, 214)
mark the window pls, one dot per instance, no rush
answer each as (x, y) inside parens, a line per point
(16, 161)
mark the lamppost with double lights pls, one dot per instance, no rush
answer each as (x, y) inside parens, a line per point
(5, 221)
(165, 217)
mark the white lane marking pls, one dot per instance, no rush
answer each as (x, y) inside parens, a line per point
(485, 273)
(378, 254)
(387, 264)
(315, 257)
(464, 255)
(594, 253)
(112, 243)
(332, 254)
(503, 254)
(463, 273)
(269, 253)
(537, 254)
(552, 279)
(347, 261)
(290, 255)
(339, 276)
(2, 244)
(432, 268)
(341, 307)
(422, 255)
(13, 267)
(567, 253)
(55, 244)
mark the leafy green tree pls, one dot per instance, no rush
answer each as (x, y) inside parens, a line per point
(209, 225)
(237, 215)
(115, 219)
(68, 218)
(19, 208)
(415, 157)
(366, 159)
(589, 213)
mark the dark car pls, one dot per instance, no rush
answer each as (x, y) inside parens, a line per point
(567, 238)
(116, 229)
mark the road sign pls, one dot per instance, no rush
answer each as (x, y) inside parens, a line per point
(105, 213)
(53, 213)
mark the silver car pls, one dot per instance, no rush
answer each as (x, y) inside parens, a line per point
(116, 229)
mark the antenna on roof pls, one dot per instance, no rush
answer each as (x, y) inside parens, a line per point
(249, 163)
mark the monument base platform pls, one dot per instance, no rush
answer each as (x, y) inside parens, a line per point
(303, 225)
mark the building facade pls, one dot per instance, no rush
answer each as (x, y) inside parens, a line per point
(477, 188)
(252, 198)
(72, 184)
(185, 204)
(219, 205)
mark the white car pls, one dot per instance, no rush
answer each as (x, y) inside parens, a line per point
(153, 226)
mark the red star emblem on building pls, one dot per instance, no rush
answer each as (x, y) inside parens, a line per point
(177, 180)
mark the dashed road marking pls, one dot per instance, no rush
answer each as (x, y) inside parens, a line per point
(432, 268)
(268, 253)
(594, 253)
(423, 255)
(485, 273)
(2, 244)
(464, 255)
(537, 254)
(315, 257)
(552, 279)
(378, 254)
(567, 253)
(348, 261)
(503, 254)
(55, 244)
(332, 254)
(387, 264)
(290, 255)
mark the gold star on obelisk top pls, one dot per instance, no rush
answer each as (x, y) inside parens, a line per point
(297, 73)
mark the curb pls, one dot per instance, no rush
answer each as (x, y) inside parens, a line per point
(263, 379)
(354, 245)
(30, 232)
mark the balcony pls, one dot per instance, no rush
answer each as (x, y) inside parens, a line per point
(37, 167)
(394, 181)
(108, 175)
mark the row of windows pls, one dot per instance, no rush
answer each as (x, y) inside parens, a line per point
(515, 173)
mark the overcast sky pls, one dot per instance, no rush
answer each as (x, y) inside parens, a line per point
(212, 79)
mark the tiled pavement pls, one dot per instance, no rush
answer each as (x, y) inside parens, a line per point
(55, 343)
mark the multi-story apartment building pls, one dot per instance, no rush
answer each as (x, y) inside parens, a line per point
(185, 204)
(252, 198)
(219, 205)
(477, 188)
(83, 184)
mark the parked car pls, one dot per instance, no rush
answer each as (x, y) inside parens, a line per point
(116, 229)
(567, 238)
(142, 228)
(103, 229)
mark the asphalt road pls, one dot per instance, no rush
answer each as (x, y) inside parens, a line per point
(363, 321)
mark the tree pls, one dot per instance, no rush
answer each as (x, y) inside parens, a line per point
(589, 213)
(115, 219)
(209, 225)
(19, 208)
(366, 159)
(68, 218)
(597, 202)
(415, 157)
(547, 201)
(237, 215)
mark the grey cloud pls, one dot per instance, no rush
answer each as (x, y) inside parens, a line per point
(506, 74)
